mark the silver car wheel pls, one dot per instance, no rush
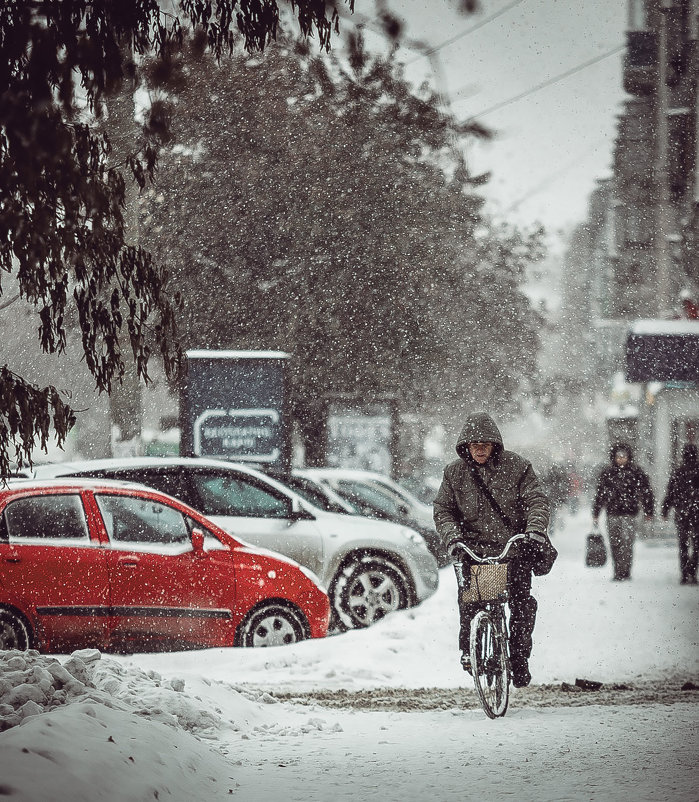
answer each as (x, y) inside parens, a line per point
(369, 591)
(14, 634)
(272, 625)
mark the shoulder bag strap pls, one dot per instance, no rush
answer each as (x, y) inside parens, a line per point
(486, 492)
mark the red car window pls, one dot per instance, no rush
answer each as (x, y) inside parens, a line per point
(50, 517)
(129, 519)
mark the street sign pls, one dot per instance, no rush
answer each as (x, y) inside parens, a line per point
(234, 406)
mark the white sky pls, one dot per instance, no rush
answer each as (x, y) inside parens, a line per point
(553, 144)
(193, 725)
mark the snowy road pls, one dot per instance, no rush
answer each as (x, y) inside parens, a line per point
(606, 754)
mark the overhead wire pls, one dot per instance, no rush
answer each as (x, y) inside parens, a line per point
(552, 177)
(429, 51)
(548, 82)
(446, 101)
(443, 101)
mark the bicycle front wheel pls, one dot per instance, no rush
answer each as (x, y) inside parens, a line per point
(489, 665)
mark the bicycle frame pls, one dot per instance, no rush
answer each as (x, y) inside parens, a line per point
(489, 641)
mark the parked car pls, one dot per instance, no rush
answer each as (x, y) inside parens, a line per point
(368, 567)
(424, 488)
(113, 565)
(317, 493)
(376, 495)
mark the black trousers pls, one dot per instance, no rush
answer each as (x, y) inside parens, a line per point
(622, 533)
(522, 611)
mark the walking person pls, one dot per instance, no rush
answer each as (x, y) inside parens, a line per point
(487, 495)
(683, 494)
(623, 488)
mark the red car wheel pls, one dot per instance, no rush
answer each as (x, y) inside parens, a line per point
(14, 632)
(272, 624)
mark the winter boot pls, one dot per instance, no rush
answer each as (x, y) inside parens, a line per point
(466, 662)
(520, 671)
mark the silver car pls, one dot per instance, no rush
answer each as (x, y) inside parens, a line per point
(374, 494)
(368, 567)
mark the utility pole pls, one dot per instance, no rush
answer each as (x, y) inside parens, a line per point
(692, 268)
(664, 219)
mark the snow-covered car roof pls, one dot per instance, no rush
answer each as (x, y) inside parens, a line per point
(72, 483)
(54, 469)
(359, 475)
(125, 463)
(346, 473)
(109, 463)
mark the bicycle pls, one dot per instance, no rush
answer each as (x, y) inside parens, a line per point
(489, 635)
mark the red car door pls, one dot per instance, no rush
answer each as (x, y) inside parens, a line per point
(162, 590)
(54, 571)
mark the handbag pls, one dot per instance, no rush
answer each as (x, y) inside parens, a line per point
(541, 555)
(595, 550)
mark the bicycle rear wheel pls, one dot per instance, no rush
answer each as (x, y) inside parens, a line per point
(489, 665)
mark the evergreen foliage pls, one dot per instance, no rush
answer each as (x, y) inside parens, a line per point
(326, 211)
(62, 233)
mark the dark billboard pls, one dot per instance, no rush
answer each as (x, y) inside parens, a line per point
(234, 406)
(663, 350)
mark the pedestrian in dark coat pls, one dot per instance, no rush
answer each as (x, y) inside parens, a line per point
(462, 511)
(683, 494)
(623, 488)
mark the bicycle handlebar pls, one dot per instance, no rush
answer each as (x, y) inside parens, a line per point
(521, 536)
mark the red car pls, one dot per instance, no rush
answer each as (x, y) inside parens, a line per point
(117, 566)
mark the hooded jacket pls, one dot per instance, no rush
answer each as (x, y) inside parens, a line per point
(462, 510)
(683, 488)
(623, 489)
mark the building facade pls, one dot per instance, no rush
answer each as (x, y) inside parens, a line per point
(636, 256)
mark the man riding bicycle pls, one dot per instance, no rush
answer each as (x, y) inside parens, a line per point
(486, 496)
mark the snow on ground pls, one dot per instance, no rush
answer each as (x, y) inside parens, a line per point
(587, 626)
(201, 725)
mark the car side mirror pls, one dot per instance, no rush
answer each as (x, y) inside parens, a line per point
(298, 511)
(197, 541)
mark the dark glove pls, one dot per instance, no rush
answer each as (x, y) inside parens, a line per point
(541, 553)
(522, 550)
(456, 551)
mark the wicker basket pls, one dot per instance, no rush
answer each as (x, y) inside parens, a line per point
(488, 583)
